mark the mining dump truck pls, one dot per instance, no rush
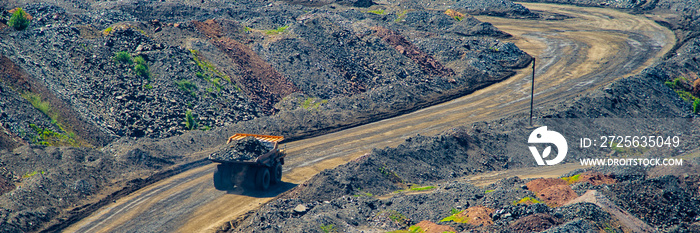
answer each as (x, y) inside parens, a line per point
(248, 160)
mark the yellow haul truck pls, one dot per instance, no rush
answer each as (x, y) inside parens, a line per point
(249, 158)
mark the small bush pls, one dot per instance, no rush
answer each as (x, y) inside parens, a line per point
(572, 179)
(328, 228)
(19, 20)
(696, 106)
(141, 67)
(525, 200)
(187, 86)
(108, 30)
(276, 31)
(123, 57)
(423, 188)
(377, 12)
(190, 122)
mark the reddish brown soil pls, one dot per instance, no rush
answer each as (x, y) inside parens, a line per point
(539, 184)
(535, 223)
(429, 64)
(431, 227)
(478, 215)
(262, 83)
(596, 178)
(557, 195)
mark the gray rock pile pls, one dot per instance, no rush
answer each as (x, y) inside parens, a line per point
(245, 149)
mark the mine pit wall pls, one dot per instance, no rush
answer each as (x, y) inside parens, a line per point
(20, 82)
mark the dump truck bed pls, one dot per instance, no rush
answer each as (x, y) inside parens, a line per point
(247, 148)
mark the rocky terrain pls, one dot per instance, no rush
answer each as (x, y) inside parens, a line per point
(98, 98)
(417, 185)
(103, 96)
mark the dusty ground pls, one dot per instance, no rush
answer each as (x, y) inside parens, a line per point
(591, 49)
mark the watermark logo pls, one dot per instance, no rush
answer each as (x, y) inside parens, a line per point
(542, 135)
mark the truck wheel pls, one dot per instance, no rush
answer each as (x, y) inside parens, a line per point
(276, 173)
(222, 178)
(262, 178)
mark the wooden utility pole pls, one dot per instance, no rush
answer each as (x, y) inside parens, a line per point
(532, 93)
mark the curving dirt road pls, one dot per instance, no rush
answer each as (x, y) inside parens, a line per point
(590, 49)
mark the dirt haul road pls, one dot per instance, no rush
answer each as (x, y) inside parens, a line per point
(590, 49)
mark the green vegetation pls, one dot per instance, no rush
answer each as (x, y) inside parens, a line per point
(141, 67)
(247, 29)
(187, 86)
(39, 104)
(682, 87)
(390, 174)
(32, 174)
(108, 30)
(123, 57)
(401, 16)
(148, 86)
(488, 191)
(377, 12)
(493, 49)
(457, 217)
(276, 31)
(48, 137)
(328, 228)
(572, 179)
(190, 122)
(397, 217)
(525, 200)
(210, 74)
(628, 150)
(19, 20)
(423, 188)
(312, 103)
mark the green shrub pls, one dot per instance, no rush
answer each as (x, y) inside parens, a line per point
(377, 12)
(19, 20)
(123, 57)
(328, 228)
(187, 86)
(424, 188)
(696, 106)
(108, 30)
(30, 174)
(190, 122)
(276, 31)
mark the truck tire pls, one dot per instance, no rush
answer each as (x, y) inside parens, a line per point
(262, 178)
(222, 178)
(276, 172)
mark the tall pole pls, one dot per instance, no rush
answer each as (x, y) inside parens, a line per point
(532, 93)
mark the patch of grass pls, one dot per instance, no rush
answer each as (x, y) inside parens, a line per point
(328, 228)
(209, 73)
(401, 16)
(247, 29)
(628, 150)
(454, 14)
(19, 20)
(682, 87)
(108, 30)
(424, 188)
(572, 179)
(312, 103)
(48, 137)
(456, 217)
(276, 31)
(390, 174)
(525, 200)
(190, 122)
(377, 12)
(397, 217)
(148, 86)
(123, 57)
(30, 174)
(39, 104)
(489, 190)
(187, 86)
(141, 67)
